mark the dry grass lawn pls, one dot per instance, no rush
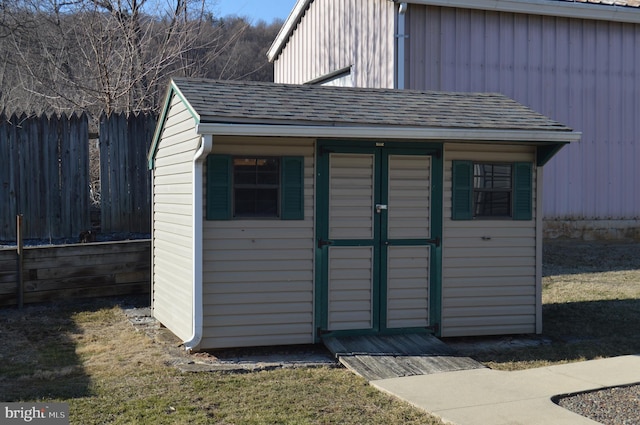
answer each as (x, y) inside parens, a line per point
(89, 355)
(591, 306)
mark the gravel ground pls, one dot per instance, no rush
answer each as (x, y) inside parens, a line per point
(612, 406)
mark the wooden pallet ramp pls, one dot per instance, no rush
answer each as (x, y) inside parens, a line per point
(377, 357)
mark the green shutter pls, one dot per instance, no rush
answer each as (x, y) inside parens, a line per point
(219, 187)
(292, 202)
(522, 191)
(462, 191)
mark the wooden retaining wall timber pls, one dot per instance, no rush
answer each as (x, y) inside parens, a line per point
(66, 272)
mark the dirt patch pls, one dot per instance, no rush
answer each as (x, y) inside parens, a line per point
(237, 360)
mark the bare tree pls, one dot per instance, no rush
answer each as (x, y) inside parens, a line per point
(117, 55)
(247, 58)
(108, 55)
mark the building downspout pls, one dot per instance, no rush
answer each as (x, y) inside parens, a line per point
(400, 43)
(196, 238)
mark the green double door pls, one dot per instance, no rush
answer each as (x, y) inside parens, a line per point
(379, 220)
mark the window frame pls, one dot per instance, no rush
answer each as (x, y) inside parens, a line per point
(492, 190)
(255, 186)
(463, 199)
(219, 198)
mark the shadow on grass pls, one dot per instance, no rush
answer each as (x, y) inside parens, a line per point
(576, 256)
(577, 331)
(38, 358)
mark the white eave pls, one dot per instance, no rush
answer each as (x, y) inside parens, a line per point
(565, 9)
(389, 133)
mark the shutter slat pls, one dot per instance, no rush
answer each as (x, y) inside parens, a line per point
(462, 193)
(292, 188)
(523, 191)
(218, 187)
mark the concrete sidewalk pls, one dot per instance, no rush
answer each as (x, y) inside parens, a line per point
(490, 397)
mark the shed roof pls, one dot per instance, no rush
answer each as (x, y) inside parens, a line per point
(268, 109)
(247, 102)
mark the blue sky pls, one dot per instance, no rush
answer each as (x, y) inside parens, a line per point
(266, 10)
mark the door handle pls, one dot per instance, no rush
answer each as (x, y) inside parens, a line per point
(380, 207)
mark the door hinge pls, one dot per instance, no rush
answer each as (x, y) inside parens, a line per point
(320, 332)
(322, 243)
(435, 328)
(435, 241)
(323, 150)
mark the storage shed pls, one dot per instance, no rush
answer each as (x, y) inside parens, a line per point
(284, 213)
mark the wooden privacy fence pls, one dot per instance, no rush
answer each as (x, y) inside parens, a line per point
(125, 184)
(76, 271)
(44, 174)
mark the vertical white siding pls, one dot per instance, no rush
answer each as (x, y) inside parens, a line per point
(409, 211)
(336, 34)
(489, 282)
(350, 288)
(583, 73)
(172, 222)
(350, 274)
(258, 274)
(408, 286)
(351, 196)
(409, 217)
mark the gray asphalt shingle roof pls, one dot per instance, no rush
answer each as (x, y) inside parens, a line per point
(268, 103)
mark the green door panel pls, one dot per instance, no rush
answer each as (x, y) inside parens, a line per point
(379, 223)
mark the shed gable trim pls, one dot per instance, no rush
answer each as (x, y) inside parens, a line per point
(173, 90)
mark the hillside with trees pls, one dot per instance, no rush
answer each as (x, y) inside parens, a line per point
(117, 56)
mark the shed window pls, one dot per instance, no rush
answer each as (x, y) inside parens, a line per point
(255, 187)
(492, 190)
